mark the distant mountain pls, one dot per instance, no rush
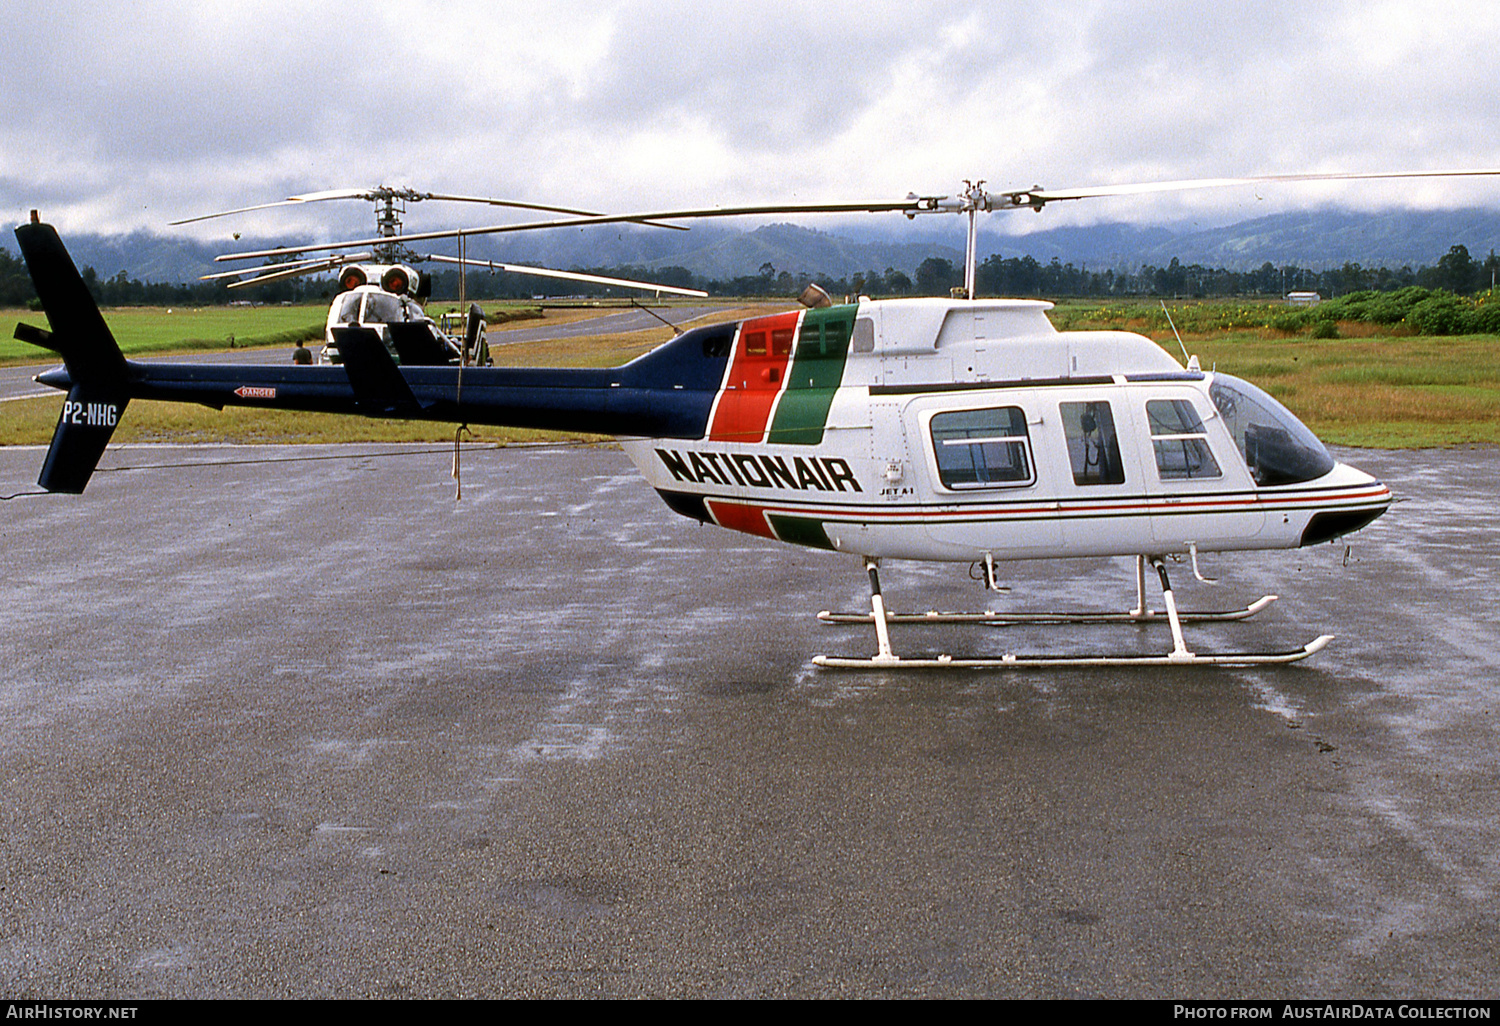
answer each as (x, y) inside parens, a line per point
(1316, 240)
(141, 256)
(719, 252)
(1096, 246)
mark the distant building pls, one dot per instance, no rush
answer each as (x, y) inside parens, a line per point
(1303, 298)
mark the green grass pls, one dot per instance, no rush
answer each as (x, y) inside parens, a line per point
(154, 329)
(1388, 392)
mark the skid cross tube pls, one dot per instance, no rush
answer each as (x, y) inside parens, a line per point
(1142, 613)
(1004, 618)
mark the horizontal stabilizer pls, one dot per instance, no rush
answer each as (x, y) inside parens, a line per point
(417, 346)
(379, 388)
(34, 336)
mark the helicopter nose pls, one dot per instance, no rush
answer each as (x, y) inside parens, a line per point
(1351, 499)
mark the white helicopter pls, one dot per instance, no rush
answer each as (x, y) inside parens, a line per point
(959, 430)
(381, 291)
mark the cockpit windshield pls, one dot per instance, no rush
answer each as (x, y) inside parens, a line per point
(348, 308)
(1277, 447)
(382, 308)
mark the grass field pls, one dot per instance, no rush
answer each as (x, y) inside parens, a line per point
(1369, 387)
(155, 329)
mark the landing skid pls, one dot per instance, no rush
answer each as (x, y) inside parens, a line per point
(1021, 662)
(886, 659)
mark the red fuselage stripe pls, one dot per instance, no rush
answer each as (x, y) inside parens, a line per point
(757, 374)
(737, 517)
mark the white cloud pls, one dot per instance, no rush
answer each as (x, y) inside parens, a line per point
(117, 116)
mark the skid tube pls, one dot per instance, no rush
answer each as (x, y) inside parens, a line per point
(885, 657)
(1012, 661)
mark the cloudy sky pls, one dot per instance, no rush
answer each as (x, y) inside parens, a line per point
(118, 116)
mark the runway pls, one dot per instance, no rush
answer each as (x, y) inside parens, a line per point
(292, 722)
(602, 324)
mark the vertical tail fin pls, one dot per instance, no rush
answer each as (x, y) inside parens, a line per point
(97, 370)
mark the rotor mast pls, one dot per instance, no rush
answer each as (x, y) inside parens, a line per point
(972, 202)
(390, 205)
(973, 194)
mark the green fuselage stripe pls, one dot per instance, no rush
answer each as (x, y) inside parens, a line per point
(800, 531)
(816, 372)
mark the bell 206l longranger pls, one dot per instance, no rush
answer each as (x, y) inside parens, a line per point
(957, 430)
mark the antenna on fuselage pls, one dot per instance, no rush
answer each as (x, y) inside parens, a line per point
(1191, 363)
(646, 309)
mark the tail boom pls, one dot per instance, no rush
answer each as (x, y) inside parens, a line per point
(668, 393)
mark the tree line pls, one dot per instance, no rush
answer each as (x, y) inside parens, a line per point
(1456, 272)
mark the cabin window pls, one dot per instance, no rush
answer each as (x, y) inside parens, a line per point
(755, 343)
(1180, 441)
(1093, 446)
(828, 338)
(781, 342)
(864, 335)
(982, 448)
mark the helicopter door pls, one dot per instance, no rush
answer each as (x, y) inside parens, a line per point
(981, 467)
(1101, 481)
(756, 376)
(1201, 494)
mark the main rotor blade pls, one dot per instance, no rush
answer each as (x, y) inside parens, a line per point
(335, 194)
(1033, 198)
(236, 210)
(912, 204)
(410, 195)
(294, 271)
(307, 197)
(315, 264)
(546, 272)
(1185, 185)
(518, 205)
